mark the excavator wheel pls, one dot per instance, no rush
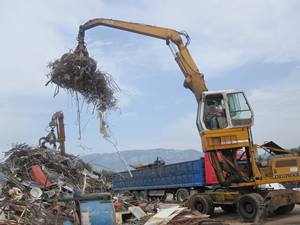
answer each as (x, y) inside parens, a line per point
(284, 209)
(202, 203)
(251, 207)
(229, 208)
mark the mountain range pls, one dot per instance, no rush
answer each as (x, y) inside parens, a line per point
(113, 162)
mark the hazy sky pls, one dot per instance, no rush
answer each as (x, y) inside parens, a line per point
(248, 45)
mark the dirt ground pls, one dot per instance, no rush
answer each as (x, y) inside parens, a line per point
(292, 218)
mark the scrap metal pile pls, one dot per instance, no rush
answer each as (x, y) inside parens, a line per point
(144, 212)
(77, 72)
(33, 180)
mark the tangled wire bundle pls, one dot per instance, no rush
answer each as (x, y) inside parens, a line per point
(77, 72)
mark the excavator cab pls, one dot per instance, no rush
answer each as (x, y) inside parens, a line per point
(224, 109)
(224, 121)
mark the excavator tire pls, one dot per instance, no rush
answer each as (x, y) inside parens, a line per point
(229, 208)
(202, 203)
(284, 209)
(251, 207)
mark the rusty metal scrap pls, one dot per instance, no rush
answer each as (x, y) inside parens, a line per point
(177, 216)
(77, 73)
(25, 200)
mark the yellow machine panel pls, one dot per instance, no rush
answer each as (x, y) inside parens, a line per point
(287, 166)
(225, 139)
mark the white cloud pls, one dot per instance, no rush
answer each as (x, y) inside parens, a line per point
(224, 36)
(259, 31)
(227, 35)
(277, 111)
(181, 133)
(33, 33)
(126, 94)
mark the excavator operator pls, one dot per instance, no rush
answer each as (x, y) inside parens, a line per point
(215, 116)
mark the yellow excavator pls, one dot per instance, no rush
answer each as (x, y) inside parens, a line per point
(224, 121)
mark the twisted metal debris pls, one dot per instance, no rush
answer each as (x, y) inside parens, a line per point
(28, 199)
(76, 72)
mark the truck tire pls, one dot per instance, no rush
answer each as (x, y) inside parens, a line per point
(229, 208)
(251, 207)
(203, 203)
(284, 209)
(182, 194)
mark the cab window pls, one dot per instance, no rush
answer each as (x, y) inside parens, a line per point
(239, 109)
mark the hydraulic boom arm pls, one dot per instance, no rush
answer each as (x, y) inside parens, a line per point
(194, 80)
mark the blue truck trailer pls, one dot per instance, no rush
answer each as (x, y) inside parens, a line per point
(157, 179)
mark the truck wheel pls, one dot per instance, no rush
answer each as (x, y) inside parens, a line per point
(284, 209)
(251, 207)
(229, 208)
(143, 195)
(202, 203)
(182, 194)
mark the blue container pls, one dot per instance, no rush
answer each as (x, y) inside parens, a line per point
(101, 212)
(179, 175)
(95, 209)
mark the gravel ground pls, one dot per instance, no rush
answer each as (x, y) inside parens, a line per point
(292, 218)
